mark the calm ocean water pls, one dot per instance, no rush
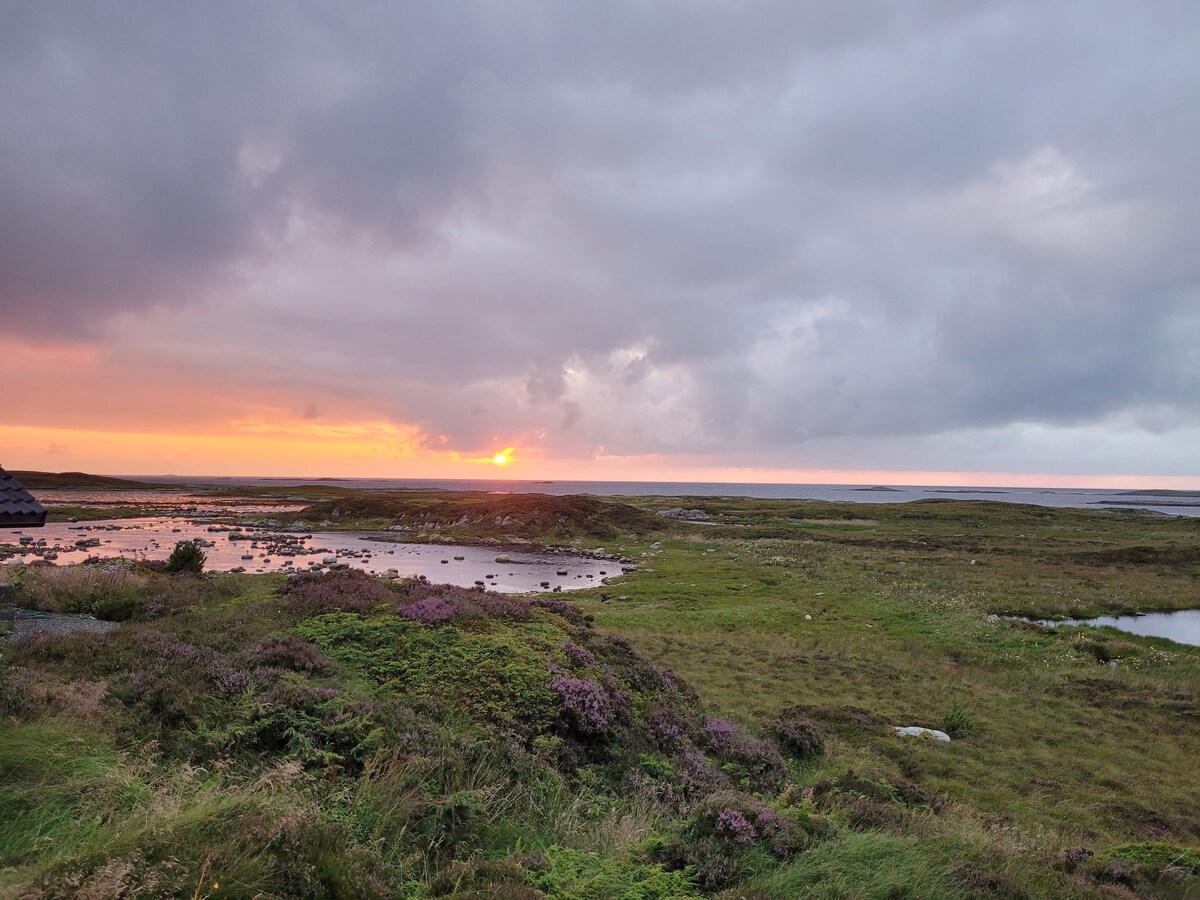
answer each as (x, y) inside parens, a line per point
(1178, 503)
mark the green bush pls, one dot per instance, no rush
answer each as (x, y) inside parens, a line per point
(956, 722)
(186, 557)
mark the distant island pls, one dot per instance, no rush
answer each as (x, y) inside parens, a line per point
(51, 480)
(1158, 492)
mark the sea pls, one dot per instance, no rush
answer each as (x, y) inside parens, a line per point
(1174, 503)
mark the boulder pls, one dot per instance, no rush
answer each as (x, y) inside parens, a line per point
(918, 731)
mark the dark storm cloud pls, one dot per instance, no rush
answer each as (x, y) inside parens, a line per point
(659, 227)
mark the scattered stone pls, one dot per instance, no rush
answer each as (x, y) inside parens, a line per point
(686, 515)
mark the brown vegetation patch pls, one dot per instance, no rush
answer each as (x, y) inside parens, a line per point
(83, 700)
(1178, 560)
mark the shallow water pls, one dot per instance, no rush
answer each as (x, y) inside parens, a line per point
(271, 550)
(1182, 627)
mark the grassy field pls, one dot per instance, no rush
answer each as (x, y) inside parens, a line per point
(718, 723)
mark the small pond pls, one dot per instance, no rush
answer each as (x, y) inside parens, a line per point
(234, 548)
(1182, 626)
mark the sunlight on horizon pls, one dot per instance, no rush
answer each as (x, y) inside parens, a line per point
(372, 451)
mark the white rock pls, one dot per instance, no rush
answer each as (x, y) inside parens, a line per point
(918, 731)
(807, 617)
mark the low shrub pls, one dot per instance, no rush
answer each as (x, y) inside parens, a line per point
(731, 836)
(290, 651)
(587, 707)
(667, 730)
(720, 733)
(757, 764)
(484, 878)
(580, 657)
(799, 736)
(312, 594)
(956, 722)
(436, 603)
(186, 557)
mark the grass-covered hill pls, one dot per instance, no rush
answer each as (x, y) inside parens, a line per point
(48, 480)
(717, 724)
(536, 517)
(337, 736)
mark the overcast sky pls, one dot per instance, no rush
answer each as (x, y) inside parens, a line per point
(621, 238)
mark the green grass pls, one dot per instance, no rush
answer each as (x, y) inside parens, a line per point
(870, 866)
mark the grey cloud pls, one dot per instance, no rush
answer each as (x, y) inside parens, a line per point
(739, 226)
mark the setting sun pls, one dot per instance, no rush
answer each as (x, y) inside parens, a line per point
(500, 459)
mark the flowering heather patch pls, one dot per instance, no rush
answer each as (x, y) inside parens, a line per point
(720, 733)
(760, 760)
(226, 678)
(290, 652)
(430, 610)
(469, 604)
(580, 657)
(733, 824)
(156, 608)
(349, 591)
(744, 820)
(162, 646)
(730, 836)
(697, 776)
(666, 678)
(585, 702)
(667, 730)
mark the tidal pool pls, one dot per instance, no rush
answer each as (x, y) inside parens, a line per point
(1182, 626)
(231, 548)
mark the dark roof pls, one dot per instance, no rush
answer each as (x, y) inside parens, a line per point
(17, 506)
